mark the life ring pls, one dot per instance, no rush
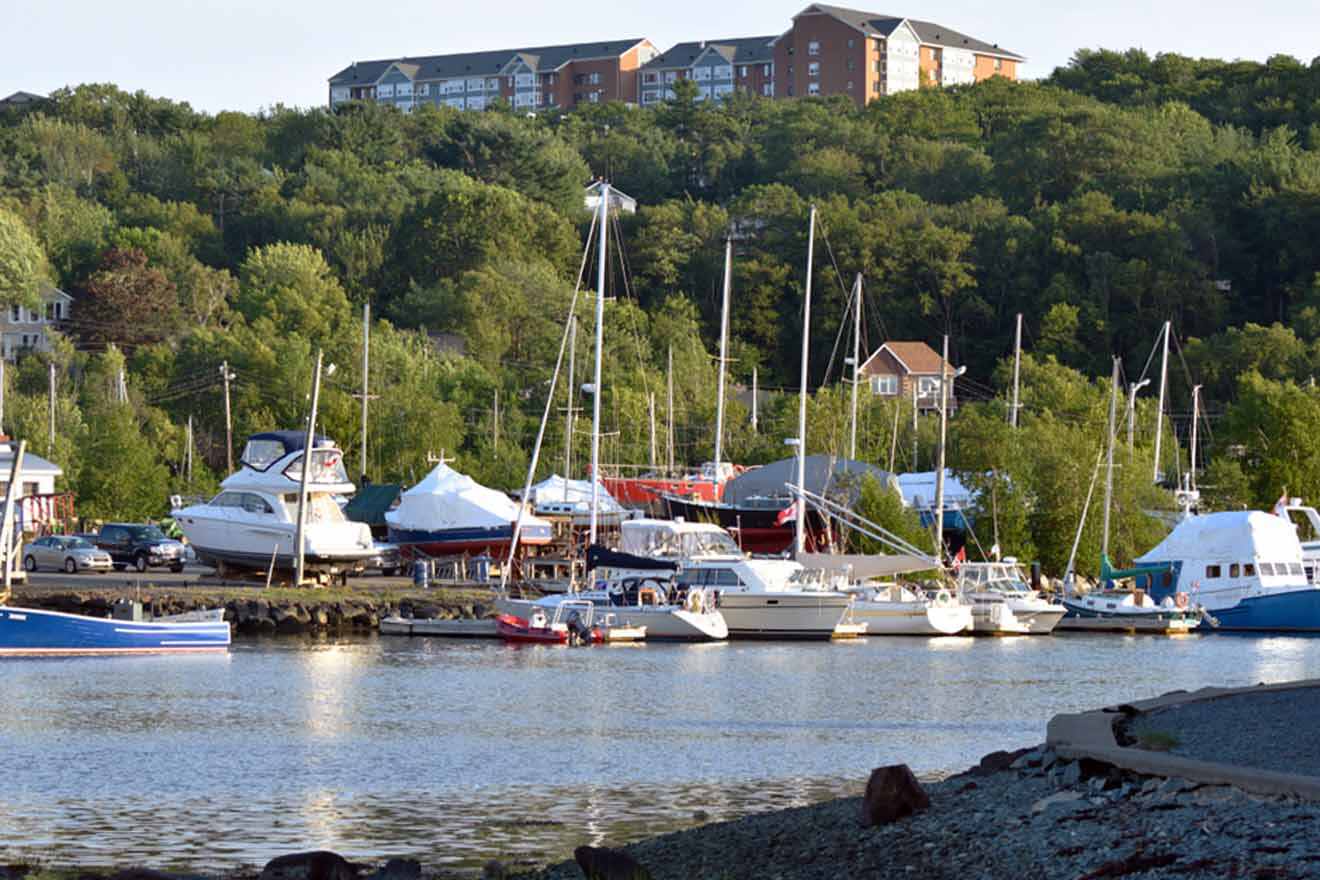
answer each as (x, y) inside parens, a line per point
(694, 601)
(943, 598)
(1180, 599)
(645, 592)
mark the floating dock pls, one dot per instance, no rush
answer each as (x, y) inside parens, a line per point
(454, 629)
(849, 630)
(1129, 627)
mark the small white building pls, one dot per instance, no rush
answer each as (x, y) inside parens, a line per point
(24, 329)
(37, 504)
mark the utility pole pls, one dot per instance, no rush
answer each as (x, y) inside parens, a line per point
(50, 442)
(1017, 371)
(724, 349)
(945, 379)
(755, 401)
(1196, 419)
(121, 389)
(188, 458)
(914, 423)
(229, 422)
(1109, 463)
(366, 371)
(893, 441)
(309, 446)
(800, 533)
(572, 398)
(2, 395)
(650, 410)
(856, 362)
(495, 424)
(1159, 413)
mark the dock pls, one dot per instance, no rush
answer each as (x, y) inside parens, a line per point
(1131, 627)
(454, 629)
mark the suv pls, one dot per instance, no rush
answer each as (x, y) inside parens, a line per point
(141, 546)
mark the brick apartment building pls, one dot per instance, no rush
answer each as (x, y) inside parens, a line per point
(828, 50)
(540, 78)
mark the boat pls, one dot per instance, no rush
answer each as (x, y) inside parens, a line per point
(451, 514)
(32, 632)
(895, 610)
(1128, 611)
(1244, 567)
(571, 622)
(252, 522)
(703, 484)
(1307, 521)
(558, 497)
(985, 584)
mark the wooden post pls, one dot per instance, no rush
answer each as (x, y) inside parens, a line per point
(7, 529)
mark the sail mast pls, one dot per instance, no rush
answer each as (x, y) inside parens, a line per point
(856, 362)
(799, 540)
(1159, 413)
(1109, 462)
(595, 384)
(724, 347)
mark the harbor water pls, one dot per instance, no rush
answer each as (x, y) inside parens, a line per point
(458, 752)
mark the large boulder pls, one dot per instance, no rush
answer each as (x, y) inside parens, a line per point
(892, 793)
(599, 863)
(316, 865)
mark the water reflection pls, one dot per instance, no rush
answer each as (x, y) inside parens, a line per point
(443, 750)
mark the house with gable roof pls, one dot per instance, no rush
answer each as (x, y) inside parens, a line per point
(909, 371)
(718, 67)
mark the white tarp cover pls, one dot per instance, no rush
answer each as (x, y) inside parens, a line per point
(666, 538)
(557, 490)
(1230, 536)
(446, 499)
(867, 566)
(919, 491)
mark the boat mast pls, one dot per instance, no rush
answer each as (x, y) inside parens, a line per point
(366, 364)
(856, 362)
(945, 378)
(1196, 418)
(1017, 371)
(1109, 462)
(669, 438)
(595, 385)
(309, 445)
(572, 398)
(799, 540)
(1159, 413)
(724, 347)
(755, 395)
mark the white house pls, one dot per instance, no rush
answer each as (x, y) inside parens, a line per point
(37, 504)
(24, 329)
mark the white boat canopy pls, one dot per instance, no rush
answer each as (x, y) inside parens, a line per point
(555, 491)
(446, 499)
(662, 537)
(864, 566)
(1230, 536)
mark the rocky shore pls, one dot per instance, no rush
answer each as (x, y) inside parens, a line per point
(1016, 815)
(254, 612)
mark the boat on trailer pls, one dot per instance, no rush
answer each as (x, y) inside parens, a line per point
(36, 632)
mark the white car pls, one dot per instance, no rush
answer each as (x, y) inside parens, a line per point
(65, 552)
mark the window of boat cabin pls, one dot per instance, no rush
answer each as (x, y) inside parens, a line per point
(1233, 570)
(1248, 569)
(1266, 568)
(327, 467)
(1212, 571)
(1296, 568)
(261, 454)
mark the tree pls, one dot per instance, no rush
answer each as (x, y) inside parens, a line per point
(126, 301)
(291, 289)
(883, 505)
(123, 477)
(22, 263)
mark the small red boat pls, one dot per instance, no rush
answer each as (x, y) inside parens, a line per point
(566, 626)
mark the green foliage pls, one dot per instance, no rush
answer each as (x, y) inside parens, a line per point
(289, 289)
(883, 505)
(127, 301)
(22, 263)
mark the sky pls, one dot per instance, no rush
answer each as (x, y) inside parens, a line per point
(252, 54)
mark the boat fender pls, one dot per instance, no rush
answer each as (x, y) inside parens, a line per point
(1180, 599)
(694, 601)
(943, 598)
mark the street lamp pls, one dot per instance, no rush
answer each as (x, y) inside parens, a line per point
(1133, 388)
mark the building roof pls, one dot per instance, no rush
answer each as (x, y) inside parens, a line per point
(917, 358)
(32, 464)
(21, 97)
(541, 58)
(877, 25)
(739, 50)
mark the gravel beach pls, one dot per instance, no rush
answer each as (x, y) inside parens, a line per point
(1040, 817)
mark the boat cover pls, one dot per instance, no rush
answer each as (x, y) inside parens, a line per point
(824, 475)
(603, 557)
(556, 490)
(1229, 536)
(863, 566)
(446, 499)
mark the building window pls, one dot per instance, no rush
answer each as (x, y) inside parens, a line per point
(594, 79)
(492, 85)
(765, 69)
(879, 67)
(813, 88)
(724, 71)
(476, 85)
(768, 89)
(742, 72)
(1233, 570)
(701, 73)
(671, 75)
(851, 43)
(525, 80)
(850, 85)
(813, 69)
(929, 386)
(339, 93)
(15, 314)
(884, 384)
(385, 91)
(403, 90)
(813, 48)
(1248, 570)
(649, 77)
(875, 87)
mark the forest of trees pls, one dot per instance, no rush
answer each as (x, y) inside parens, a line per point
(1122, 192)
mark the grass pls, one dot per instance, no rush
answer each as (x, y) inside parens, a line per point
(1157, 740)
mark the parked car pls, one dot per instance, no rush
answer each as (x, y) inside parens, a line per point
(141, 546)
(72, 553)
(386, 560)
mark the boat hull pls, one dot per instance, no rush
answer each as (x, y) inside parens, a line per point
(646, 491)
(782, 615)
(1039, 623)
(662, 622)
(1293, 611)
(492, 541)
(912, 619)
(29, 631)
(1083, 618)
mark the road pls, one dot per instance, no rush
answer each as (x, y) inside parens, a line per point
(191, 576)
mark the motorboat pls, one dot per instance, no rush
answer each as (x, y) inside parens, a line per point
(987, 584)
(451, 514)
(571, 621)
(703, 484)
(1129, 610)
(1244, 567)
(252, 523)
(895, 610)
(759, 598)
(557, 497)
(1307, 521)
(645, 596)
(32, 631)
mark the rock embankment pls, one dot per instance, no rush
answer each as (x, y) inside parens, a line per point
(1026, 814)
(256, 614)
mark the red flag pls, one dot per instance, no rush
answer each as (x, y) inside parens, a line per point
(788, 514)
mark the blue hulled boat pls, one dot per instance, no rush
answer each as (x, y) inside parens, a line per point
(31, 631)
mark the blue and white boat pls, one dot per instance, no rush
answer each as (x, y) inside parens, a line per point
(1244, 568)
(451, 514)
(31, 631)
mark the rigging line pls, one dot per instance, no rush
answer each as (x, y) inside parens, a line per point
(1187, 373)
(1151, 357)
(632, 318)
(843, 288)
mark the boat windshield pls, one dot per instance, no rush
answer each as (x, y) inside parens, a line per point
(260, 454)
(327, 467)
(679, 543)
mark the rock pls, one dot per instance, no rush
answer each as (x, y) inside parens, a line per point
(1060, 801)
(148, 874)
(1069, 774)
(599, 863)
(997, 761)
(317, 865)
(399, 869)
(1024, 762)
(700, 816)
(891, 794)
(494, 870)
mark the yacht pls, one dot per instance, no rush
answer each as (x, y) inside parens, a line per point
(1244, 567)
(759, 598)
(895, 610)
(989, 584)
(252, 523)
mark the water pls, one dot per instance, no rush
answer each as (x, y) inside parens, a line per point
(457, 752)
